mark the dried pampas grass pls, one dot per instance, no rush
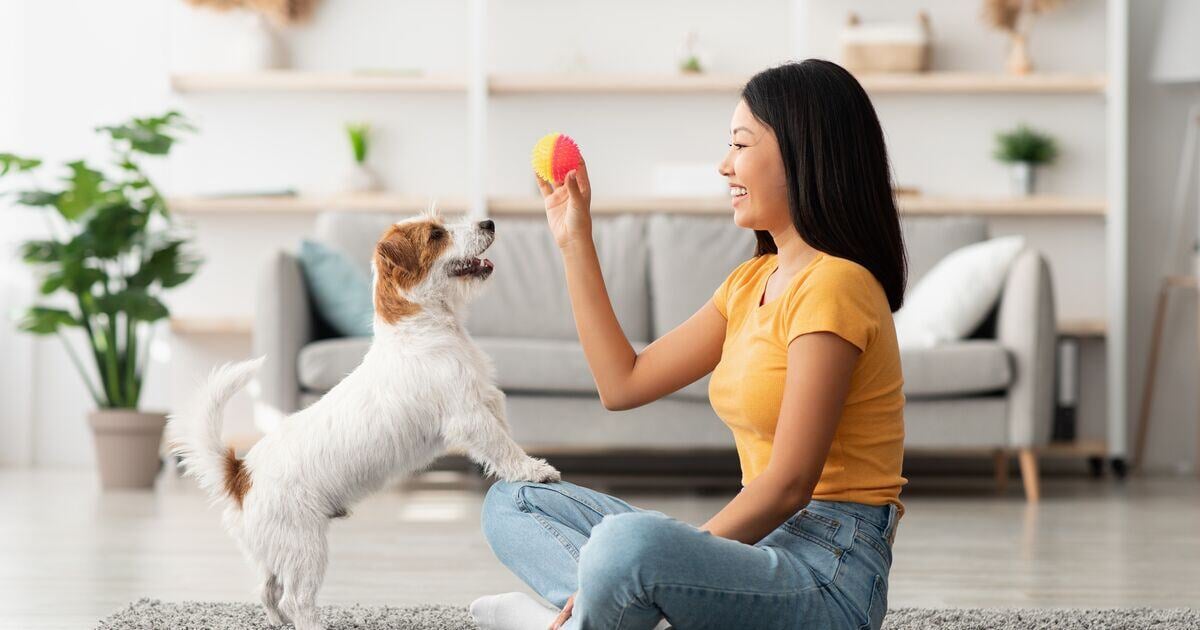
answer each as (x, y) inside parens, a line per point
(282, 11)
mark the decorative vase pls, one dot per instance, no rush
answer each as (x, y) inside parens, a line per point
(360, 178)
(127, 443)
(1023, 177)
(1019, 62)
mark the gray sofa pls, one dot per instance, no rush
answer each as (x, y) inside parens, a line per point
(992, 393)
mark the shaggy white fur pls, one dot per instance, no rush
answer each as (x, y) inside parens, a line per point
(422, 386)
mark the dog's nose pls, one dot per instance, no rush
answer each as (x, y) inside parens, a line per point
(488, 225)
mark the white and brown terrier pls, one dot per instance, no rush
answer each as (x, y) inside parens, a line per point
(423, 385)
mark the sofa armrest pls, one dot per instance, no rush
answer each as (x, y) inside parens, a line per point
(283, 325)
(1027, 327)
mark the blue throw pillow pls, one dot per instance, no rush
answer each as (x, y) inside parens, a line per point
(340, 290)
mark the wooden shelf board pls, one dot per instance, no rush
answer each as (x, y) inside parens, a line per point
(308, 204)
(983, 83)
(296, 81)
(1082, 327)
(1035, 205)
(588, 83)
(211, 325)
(883, 83)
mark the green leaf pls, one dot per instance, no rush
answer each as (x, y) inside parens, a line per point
(40, 252)
(134, 303)
(82, 193)
(152, 136)
(37, 198)
(113, 229)
(169, 265)
(17, 164)
(73, 277)
(40, 320)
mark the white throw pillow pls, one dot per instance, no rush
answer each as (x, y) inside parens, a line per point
(952, 300)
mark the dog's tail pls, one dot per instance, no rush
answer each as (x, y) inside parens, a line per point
(196, 434)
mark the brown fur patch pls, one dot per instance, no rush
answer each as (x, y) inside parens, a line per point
(237, 478)
(404, 256)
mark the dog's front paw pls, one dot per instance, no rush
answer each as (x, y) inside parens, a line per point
(534, 469)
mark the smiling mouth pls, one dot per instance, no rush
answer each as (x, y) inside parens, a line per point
(471, 267)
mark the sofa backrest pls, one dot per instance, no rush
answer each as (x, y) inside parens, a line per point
(930, 238)
(659, 269)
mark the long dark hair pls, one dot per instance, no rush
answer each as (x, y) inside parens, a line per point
(839, 183)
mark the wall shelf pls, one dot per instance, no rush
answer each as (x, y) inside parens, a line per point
(983, 83)
(294, 81)
(591, 83)
(211, 325)
(303, 204)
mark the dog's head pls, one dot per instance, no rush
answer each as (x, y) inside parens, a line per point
(424, 262)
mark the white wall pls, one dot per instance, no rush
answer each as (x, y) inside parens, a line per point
(121, 53)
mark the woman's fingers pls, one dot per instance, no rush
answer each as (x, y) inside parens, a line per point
(564, 615)
(585, 185)
(546, 188)
(577, 197)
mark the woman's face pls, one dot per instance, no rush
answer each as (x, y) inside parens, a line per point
(754, 167)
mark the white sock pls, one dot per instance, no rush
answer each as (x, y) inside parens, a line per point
(511, 611)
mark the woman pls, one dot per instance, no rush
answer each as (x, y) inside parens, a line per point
(805, 371)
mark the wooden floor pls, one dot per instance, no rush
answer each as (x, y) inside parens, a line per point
(70, 555)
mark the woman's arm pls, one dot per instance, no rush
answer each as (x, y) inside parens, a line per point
(819, 367)
(625, 379)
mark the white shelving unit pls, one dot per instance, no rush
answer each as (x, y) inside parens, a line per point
(479, 87)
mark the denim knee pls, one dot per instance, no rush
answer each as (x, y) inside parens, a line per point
(499, 501)
(624, 551)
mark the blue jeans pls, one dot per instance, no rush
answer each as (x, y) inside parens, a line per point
(826, 567)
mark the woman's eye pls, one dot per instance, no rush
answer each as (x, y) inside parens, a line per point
(737, 146)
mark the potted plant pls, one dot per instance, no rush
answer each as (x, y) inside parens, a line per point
(110, 251)
(1024, 149)
(360, 178)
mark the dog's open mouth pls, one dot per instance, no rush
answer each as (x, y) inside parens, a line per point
(473, 267)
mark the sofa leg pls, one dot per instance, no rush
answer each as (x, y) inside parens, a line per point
(1001, 464)
(1029, 474)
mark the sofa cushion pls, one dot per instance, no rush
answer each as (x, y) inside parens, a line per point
(341, 292)
(962, 367)
(527, 297)
(323, 364)
(690, 257)
(929, 239)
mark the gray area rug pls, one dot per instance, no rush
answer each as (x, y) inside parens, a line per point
(151, 614)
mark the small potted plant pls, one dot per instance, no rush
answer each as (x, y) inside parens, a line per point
(360, 178)
(109, 252)
(1024, 149)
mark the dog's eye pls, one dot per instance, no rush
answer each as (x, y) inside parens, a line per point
(437, 234)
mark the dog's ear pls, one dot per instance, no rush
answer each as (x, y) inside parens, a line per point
(397, 254)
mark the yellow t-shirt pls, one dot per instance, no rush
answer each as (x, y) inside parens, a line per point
(831, 294)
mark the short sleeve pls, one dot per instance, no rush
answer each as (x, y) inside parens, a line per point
(838, 299)
(720, 297)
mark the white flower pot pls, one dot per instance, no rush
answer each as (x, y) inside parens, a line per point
(360, 178)
(127, 443)
(1023, 178)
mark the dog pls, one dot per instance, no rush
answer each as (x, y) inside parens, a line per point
(423, 386)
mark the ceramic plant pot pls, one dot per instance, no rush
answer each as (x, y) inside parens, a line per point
(127, 446)
(1023, 178)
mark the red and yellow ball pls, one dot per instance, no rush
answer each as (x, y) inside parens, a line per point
(555, 155)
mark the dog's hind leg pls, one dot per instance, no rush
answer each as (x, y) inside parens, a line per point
(270, 592)
(302, 572)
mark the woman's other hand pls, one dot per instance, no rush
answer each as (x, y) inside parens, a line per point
(569, 207)
(565, 614)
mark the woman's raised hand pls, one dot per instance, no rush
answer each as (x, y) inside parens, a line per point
(569, 207)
